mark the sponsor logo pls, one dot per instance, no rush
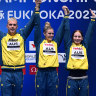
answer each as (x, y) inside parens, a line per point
(30, 57)
(62, 57)
(32, 69)
(32, 46)
(77, 48)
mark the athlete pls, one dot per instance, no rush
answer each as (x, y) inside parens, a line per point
(76, 57)
(13, 56)
(47, 57)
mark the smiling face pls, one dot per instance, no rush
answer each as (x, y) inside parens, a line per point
(12, 26)
(77, 37)
(49, 34)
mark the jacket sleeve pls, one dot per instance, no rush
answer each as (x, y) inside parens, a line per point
(67, 34)
(63, 30)
(90, 30)
(1, 36)
(37, 30)
(28, 28)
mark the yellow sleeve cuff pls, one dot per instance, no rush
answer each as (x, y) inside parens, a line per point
(66, 16)
(92, 19)
(37, 12)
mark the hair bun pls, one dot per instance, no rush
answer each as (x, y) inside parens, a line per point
(47, 24)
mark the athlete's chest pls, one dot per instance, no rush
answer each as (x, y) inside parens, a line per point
(12, 42)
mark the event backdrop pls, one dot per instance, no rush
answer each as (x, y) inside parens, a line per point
(51, 10)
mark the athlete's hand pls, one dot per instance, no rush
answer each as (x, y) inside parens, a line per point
(66, 10)
(37, 2)
(93, 14)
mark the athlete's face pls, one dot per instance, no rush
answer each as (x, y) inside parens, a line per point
(77, 38)
(12, 26)
(49, 34)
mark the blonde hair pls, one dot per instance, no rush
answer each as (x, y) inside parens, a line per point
(12, 18)
(47, 26)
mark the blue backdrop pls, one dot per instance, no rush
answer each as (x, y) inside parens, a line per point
(51, 10)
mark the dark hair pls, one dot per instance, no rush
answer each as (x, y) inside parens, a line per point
(75, 32)
(47, 26)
